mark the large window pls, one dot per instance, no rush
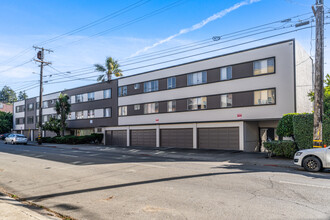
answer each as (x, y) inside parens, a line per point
(122, 91)
(107, 112)
(45, 104)
(79, 115)
(107, 94)
(151, 86)
(79, 98)
(151, 108)
(30, 107)
(122, 110)
(137, 86)
(136, 107)
(90, 114)
(225, 73)
(30, 119)
(264, 97)
(91, 96)
(264, 66)
(226, 101)
(171, 106)
(197, 103)
(171, 83)
(197, 78)
(20, 108)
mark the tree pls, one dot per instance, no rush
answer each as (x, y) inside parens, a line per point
(62, 108)
(6, 122)
(111, 68)
(53, 125)
(7, 95)
(326, 96)
(22, 96)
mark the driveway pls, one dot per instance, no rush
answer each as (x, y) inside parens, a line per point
(96, 182)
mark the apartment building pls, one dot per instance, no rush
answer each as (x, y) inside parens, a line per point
(8, 108)
(233, 101)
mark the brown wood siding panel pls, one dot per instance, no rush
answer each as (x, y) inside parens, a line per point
(116, 138)
(144, 138)
(242, 70)
(213, 102)
(218, 138)
(213, 75)
(243, 99)
(85, 123)
(162, 107)
(181, 138)
(181, 105)
(162, 84)
(132, 91)
(181, 81)
(131, 111)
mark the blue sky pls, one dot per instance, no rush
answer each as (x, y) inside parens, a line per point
(27, 23)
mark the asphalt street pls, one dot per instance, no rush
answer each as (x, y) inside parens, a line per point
(128, 183)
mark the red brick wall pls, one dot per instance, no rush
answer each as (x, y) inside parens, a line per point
(6, 108)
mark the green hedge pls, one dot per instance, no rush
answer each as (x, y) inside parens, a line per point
(69, 139)
(281, 148)
(303, 130)
(285, 125)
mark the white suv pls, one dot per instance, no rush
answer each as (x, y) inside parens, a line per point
(313, 159)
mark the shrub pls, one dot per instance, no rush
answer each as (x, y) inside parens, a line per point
(97, 137)
(69, 139)
(281, 148)
(285, 126)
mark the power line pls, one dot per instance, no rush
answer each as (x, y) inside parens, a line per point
(14, 67)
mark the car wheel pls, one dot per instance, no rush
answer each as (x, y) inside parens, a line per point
(312, 164)
(12, 142)
(5, 142)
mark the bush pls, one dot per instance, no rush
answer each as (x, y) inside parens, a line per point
(69, 139)
(281, 148)
(303, 130)
(285, 126)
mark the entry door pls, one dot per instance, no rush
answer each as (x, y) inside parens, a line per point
(263, 138)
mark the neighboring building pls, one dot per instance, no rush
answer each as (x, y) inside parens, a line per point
(233, 101)
(6, 107)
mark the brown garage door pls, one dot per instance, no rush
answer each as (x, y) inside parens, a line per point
(116, 138)
(182, 138)
(143, 138)
(218, 138)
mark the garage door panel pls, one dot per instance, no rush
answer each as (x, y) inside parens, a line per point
(116, 137)
(181, 138)
(143, 138)
(218, 138)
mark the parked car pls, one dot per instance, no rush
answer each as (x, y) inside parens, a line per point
(313, 159)
(16, 139)
(3, 136)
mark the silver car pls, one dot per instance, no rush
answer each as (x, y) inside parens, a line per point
(16, 139)
(313, 159)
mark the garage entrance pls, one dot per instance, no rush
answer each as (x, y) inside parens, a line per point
(182, 138)
(116, 137)
(143, 138)
(218, 138)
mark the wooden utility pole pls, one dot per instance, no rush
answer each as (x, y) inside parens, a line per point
(40, 56)
(319, 73)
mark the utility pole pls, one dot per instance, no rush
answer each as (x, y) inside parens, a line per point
(319, 73)
(41, 56)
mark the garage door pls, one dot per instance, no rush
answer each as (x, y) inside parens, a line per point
(143, 138)
(182, 138)
(218, 138)
(116, 138)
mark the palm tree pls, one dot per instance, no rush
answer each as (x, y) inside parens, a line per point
(111, 68)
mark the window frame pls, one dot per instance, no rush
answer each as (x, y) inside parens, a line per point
(226, 68)
(263, 90)
(107, 91)
(191, 77)
(82, 98)
(122, 91)
(172, 106)
(91, 98)
(197, 100)
(120, 110)
(261, 60)
(226, 95)
(171, 79)
(152, 104)
(104, 113)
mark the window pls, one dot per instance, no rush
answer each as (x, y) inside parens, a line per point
(45, 118)
(264, 66)
(79, 98)
(151, 108)
(226, 73)
(30, 119)
(69, 116)
(197, 78)
(171, 83)
(264, 97)
(137, 86)
(20, 108)
(79, 115)
(37, 105)
(107, 94)
(197, 103)
(20, 121)
(45, 104)
(91, 96)
(122, 91)
(122, 110)
(107, 112)
(136, 107)
(226, 101)
(90, 114)
(30, 107)
(171, 106)
(151, 86)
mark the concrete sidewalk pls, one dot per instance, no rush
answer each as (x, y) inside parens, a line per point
(11, 209)
(248, 158)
